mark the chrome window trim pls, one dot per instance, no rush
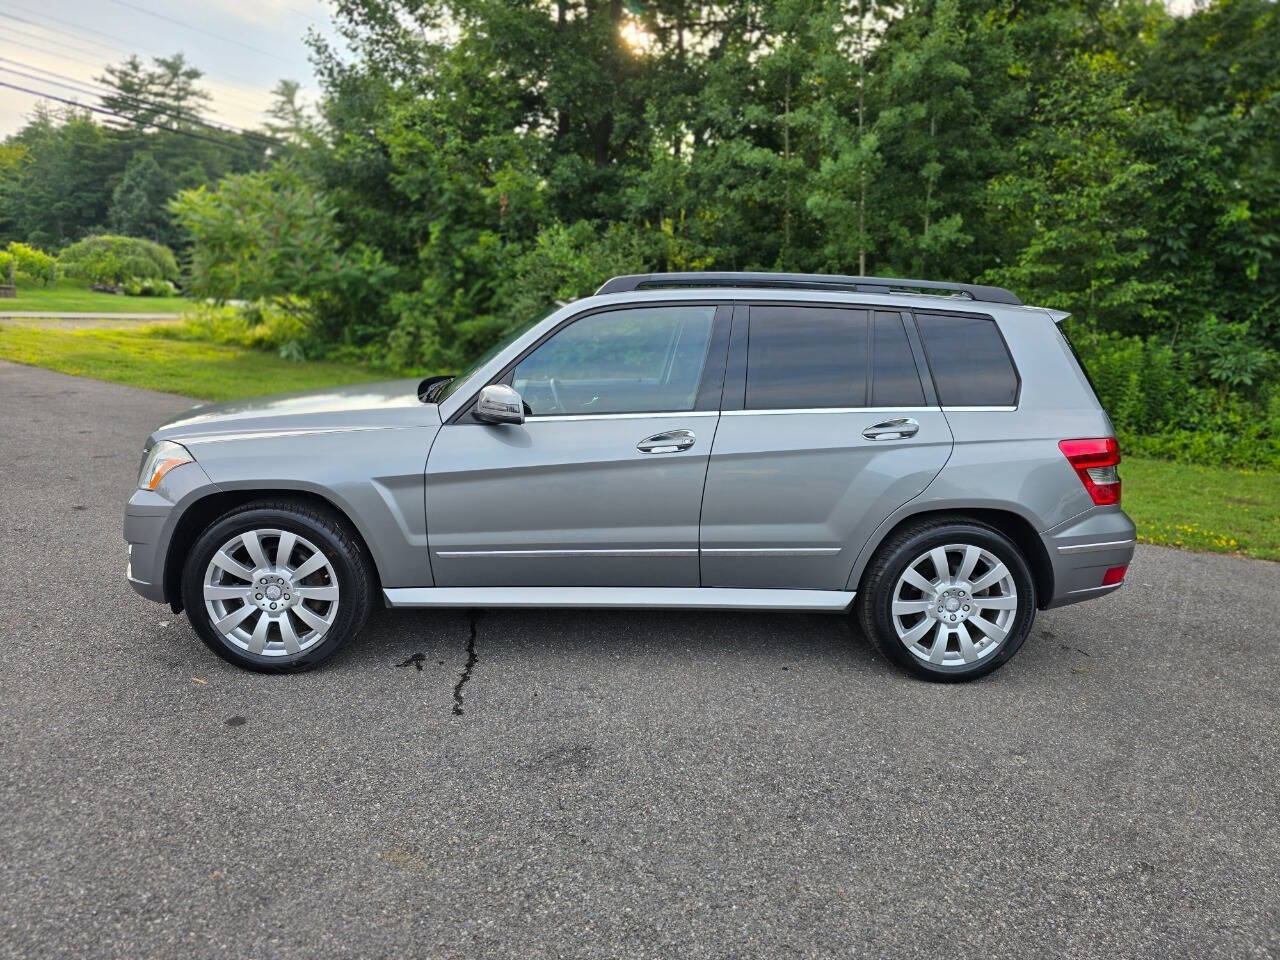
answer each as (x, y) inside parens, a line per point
(875, 410)
(742, 413)
(557, 417)
(1089, 547)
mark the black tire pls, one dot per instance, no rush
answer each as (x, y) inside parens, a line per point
(328, 531)
(873, 607)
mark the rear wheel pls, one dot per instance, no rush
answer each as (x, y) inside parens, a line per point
(948, 600)
(276, 586)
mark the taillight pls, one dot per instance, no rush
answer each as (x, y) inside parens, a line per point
(1095, 463)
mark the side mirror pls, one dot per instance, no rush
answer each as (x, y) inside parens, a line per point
(498, 403)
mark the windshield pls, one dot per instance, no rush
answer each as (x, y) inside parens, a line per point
(451, 387)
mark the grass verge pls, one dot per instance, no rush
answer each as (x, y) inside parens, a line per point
(141, 358)
(1217, 509)
(73, 296)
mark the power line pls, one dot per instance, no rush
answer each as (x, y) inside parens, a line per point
(188, 26)
(301, 13)
(166, 111)
(102, 66)
(127, 48)
(62, 44)
(98, 89)
(111, 113)
(43, 39)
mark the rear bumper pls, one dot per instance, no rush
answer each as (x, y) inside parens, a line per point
(1083, 549)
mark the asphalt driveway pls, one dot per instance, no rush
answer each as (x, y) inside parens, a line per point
(623, 784)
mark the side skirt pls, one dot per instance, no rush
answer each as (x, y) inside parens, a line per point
(689, 598)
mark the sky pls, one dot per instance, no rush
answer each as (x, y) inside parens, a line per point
(243, 47)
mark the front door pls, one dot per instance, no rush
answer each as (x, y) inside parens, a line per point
(602, 484)
(826, 430)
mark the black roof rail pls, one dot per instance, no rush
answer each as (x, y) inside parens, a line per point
(802, 281)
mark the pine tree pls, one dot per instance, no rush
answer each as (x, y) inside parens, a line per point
(138, 201)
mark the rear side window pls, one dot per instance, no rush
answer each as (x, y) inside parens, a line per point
(971, 366)
(895, 381)
(803, 357)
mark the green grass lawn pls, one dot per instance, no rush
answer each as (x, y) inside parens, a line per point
(74, 296)
(1198, 508)
(1218, 509)
(140, 358)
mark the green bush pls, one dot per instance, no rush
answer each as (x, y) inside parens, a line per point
(118, 260)
(263, 325)
(1169, 403)
(149, 288)
(28, 263)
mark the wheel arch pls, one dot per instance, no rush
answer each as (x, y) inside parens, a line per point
(200, 513)
(1012, 524)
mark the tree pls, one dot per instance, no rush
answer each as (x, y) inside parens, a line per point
(289, 119)
(138, 201)
(54, 191)
(165, 94)
(1075, 206)
(270, 236)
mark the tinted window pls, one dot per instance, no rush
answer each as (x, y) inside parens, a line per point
(640, 360)
(971, 367)
(894, 379)
(806, 357)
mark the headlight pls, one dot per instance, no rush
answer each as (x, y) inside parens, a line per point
(160, 459)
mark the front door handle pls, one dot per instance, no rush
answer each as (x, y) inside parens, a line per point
(897, 429)
(670, 441)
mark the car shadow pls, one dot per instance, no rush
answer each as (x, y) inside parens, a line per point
(769, 639)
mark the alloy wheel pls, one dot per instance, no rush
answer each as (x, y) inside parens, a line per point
(954, 605)
(271, 592)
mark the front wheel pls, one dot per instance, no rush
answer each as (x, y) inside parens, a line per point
(947, 600)
(276, 586)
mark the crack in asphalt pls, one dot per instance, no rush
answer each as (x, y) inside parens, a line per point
(466, 671)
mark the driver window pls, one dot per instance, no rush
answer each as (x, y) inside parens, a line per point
(634, 360)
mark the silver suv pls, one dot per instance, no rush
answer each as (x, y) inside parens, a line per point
(928, 456)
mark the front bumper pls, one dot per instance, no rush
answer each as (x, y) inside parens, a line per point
(150, 518)
(1083, 549)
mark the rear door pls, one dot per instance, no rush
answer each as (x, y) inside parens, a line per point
(602, 483)
(828, 425)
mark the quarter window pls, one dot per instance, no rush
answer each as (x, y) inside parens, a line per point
(805, 357)
(636, 360)
(971, 366)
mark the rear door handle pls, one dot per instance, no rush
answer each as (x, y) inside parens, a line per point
(670, 441)
(897, 429)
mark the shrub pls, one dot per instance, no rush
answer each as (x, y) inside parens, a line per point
(149, 288)
(117, 260)
(28, 263)
(1168, 403)
(263, 325)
